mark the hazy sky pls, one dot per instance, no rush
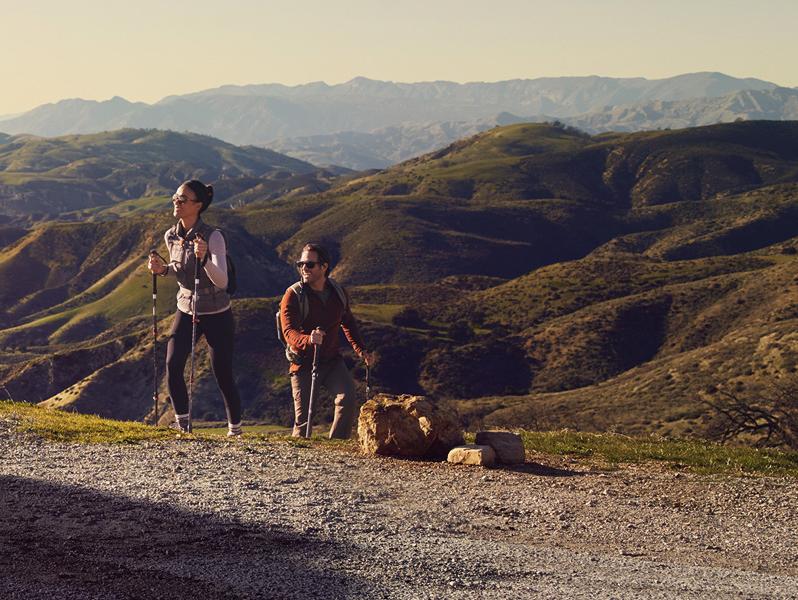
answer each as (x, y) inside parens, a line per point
(145, 50)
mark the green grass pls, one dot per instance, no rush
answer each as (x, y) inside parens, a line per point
(41, 327)
(603, 450)
(14, 178)
(123, 208)
(132, 298)
(221, 429)
(129, 298)
(612, 450)
(69, 427)
(379, 313)
(60, 426)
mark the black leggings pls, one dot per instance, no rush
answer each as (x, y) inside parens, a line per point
(218, 331)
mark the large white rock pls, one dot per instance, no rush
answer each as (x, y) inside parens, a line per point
(473, 454)
(508, 446)
(409, 426)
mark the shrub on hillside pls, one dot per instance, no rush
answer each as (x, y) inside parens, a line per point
(408, 317)
(474, 370)
(769, 418)
(460, 332)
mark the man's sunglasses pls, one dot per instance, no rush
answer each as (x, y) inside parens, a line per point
(310, 264)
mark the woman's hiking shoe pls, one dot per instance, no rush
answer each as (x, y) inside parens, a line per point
(181, 424)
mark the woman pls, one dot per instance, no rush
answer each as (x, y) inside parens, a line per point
(188, 241)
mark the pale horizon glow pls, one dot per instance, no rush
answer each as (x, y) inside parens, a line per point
(148, 50)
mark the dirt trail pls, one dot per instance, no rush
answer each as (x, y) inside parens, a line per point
(193, 519)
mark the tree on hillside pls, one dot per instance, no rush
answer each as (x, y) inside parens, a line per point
(408, 317)
(460, 332)
(769, 418)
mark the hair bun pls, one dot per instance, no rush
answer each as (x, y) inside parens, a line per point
(204, 193)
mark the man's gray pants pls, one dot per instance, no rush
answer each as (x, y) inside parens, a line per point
(337, 380)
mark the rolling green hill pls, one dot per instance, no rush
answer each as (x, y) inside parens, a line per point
(114, 173)
(523, 196)
(557, 278)
(537, 161)
(69, 282)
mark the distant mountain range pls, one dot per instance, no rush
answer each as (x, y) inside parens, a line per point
(778, 104)
(383, 147)
(380, 148)
(371, 124)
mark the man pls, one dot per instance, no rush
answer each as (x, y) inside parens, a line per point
(311, 312)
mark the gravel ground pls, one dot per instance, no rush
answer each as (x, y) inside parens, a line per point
(258, 519)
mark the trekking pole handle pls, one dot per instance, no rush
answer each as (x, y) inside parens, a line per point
(165, 262)
(198, 236)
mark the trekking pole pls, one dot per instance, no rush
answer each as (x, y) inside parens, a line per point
(194, 321)
(368, 382)
(314, 374)
(155, 337)
(154, 343)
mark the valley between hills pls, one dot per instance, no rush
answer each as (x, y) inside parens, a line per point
(532, 275)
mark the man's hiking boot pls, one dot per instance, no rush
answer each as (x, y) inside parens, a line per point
(234, 430)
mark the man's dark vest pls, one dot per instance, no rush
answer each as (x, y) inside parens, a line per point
(210, 299)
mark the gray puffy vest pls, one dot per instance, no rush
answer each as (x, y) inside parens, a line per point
(210, 298)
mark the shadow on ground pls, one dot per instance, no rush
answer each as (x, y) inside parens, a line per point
(542, 470)
(61, 541)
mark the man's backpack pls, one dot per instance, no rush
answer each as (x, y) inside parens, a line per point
(304, 308)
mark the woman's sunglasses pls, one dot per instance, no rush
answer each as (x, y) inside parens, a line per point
(310, 264)
(179, 199)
